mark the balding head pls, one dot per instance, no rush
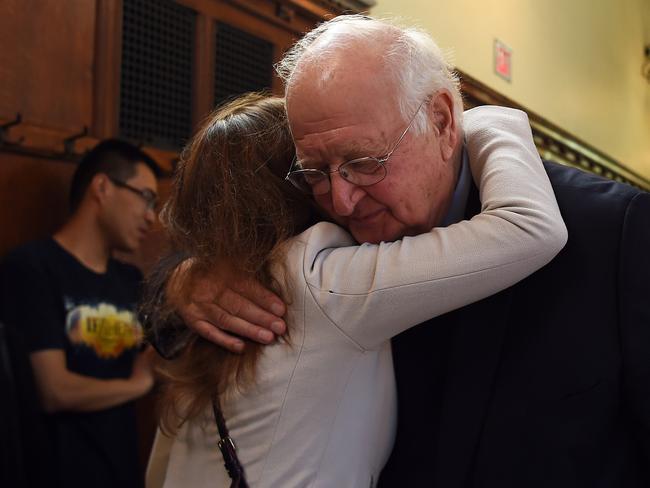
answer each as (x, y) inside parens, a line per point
(406, 57)
(352, 87)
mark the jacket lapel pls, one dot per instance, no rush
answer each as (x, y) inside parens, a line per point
(473, 363)
(475, 350)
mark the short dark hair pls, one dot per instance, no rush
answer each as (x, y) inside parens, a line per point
(115, 158)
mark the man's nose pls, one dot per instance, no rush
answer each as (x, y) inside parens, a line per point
(150, 216)
(345, 195)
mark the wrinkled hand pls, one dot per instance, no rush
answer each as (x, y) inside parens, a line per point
(223, 313)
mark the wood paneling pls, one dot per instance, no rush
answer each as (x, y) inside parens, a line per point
(60, 68)
(33, 198)
(46, 61)
(260, 17)
(204, 66)
(106, 77)
(279, 22)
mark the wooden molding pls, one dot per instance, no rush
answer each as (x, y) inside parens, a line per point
(326, 9)
(108, 59)
(553, 142)
(204, 66)
(280, 22)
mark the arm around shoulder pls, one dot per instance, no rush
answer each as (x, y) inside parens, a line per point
(511, 178)
(375, 292)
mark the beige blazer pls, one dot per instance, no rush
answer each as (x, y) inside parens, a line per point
(322, 412)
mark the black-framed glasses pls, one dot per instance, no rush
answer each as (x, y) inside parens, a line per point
(148, 196)
(360, 171)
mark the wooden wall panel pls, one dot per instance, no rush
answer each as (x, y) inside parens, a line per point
(280, 23)
(46, 61)
(107, 62)
(33, 198)
(204, 66)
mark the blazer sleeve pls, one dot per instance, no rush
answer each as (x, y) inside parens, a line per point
(374, 292)
(158, 460)
(634, 293)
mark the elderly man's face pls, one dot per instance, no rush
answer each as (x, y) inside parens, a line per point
(338, 122)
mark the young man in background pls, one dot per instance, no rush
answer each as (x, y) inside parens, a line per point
(73, 307)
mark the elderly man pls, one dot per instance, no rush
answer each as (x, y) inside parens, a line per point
(546, 384)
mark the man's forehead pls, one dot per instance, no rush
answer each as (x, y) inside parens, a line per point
(323, 135)
(326, 122)
(345, 149)
(308, 112)
(145, 175)
(345, 79)
(331, 56)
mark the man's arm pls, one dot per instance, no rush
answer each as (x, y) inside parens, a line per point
(30, 303)
(219, 310)
(63, 390)
(243, 308)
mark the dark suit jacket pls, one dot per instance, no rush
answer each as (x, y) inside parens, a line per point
(546, 384)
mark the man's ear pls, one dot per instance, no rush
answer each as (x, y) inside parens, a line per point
(99, 188)
(441, 116)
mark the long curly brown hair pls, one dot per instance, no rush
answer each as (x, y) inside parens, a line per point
(229, 210)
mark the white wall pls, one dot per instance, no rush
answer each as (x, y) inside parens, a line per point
(575, 62)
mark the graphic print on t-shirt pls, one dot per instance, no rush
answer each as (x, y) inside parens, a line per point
(104, 328)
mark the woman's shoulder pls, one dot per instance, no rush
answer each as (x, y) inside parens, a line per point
(321, 236)
(301, 251)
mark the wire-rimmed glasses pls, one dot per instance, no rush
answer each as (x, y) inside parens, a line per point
(364, 171)
(148, 196)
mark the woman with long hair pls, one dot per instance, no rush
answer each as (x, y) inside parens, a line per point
(317, 408)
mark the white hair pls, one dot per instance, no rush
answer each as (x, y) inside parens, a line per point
(411, 57)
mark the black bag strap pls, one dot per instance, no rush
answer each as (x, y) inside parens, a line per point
(228, 449)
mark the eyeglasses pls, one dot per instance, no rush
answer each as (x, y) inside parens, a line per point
(148, 196)
(361, 171)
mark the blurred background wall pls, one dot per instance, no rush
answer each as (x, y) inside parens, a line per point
(576, 63)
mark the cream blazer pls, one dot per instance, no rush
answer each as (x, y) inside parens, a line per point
(322, 412)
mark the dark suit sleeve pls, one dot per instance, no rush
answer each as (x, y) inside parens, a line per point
(634, 294)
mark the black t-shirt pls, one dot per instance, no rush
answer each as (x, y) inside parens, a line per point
(55, 302)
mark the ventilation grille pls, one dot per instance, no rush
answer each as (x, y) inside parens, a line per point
(156, 85)
(244, 63)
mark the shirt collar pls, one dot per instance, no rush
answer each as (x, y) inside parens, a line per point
(456, 211)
